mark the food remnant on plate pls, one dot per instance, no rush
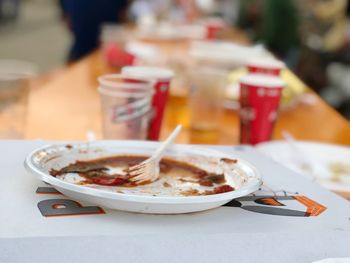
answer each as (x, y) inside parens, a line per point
(52, 158)
(190, 192)
(217, 190)
(221, 189)
(112, 171)
(166, 184)
(228, 161)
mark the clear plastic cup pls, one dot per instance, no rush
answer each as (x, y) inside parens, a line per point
(14, 89)
(126, 106)
(206, 100)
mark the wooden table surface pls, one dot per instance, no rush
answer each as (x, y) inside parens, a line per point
(65, 105)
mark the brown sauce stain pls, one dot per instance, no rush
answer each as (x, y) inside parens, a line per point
(96, 172)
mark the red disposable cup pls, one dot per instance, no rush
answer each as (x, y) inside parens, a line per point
(265, 66)
(161, 78)
(117, 56)
(259, 102)
(214, 27)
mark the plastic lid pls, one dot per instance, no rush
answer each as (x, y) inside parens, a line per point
(124, 94)
(261, 80)
(148, 72)
(266, 63)
(122, 82)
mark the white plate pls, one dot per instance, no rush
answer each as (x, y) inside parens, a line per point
(244, 178)
(324, 154)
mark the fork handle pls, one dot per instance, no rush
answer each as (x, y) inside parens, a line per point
(159, 152)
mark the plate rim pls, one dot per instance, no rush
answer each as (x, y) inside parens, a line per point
(333, 145)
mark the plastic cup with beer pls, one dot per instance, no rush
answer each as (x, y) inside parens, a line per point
(206, 101)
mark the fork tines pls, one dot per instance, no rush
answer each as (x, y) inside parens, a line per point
(144, 172)
(137, 169)
(138, 172)
(148, 170)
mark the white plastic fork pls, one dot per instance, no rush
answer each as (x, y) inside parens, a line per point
(311, 167)
(148, 170)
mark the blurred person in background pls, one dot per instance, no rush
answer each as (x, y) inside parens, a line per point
(184, 11)
(280, 30)
(9, 10)
(147, 8)
(323, 31)
(273, 23)
(250, 16)
(328, 45)
(325, 58)
(226, 9)
(324, 23)
(85, 17)
(178, 11)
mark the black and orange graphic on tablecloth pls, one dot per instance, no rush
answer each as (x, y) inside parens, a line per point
(273, 205)
(66, 207)
(278, 205)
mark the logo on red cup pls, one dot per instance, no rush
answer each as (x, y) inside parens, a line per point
(214, 26)
(259, 102)
(265, 66)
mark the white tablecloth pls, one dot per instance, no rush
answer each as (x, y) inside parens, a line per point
(303, 223)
